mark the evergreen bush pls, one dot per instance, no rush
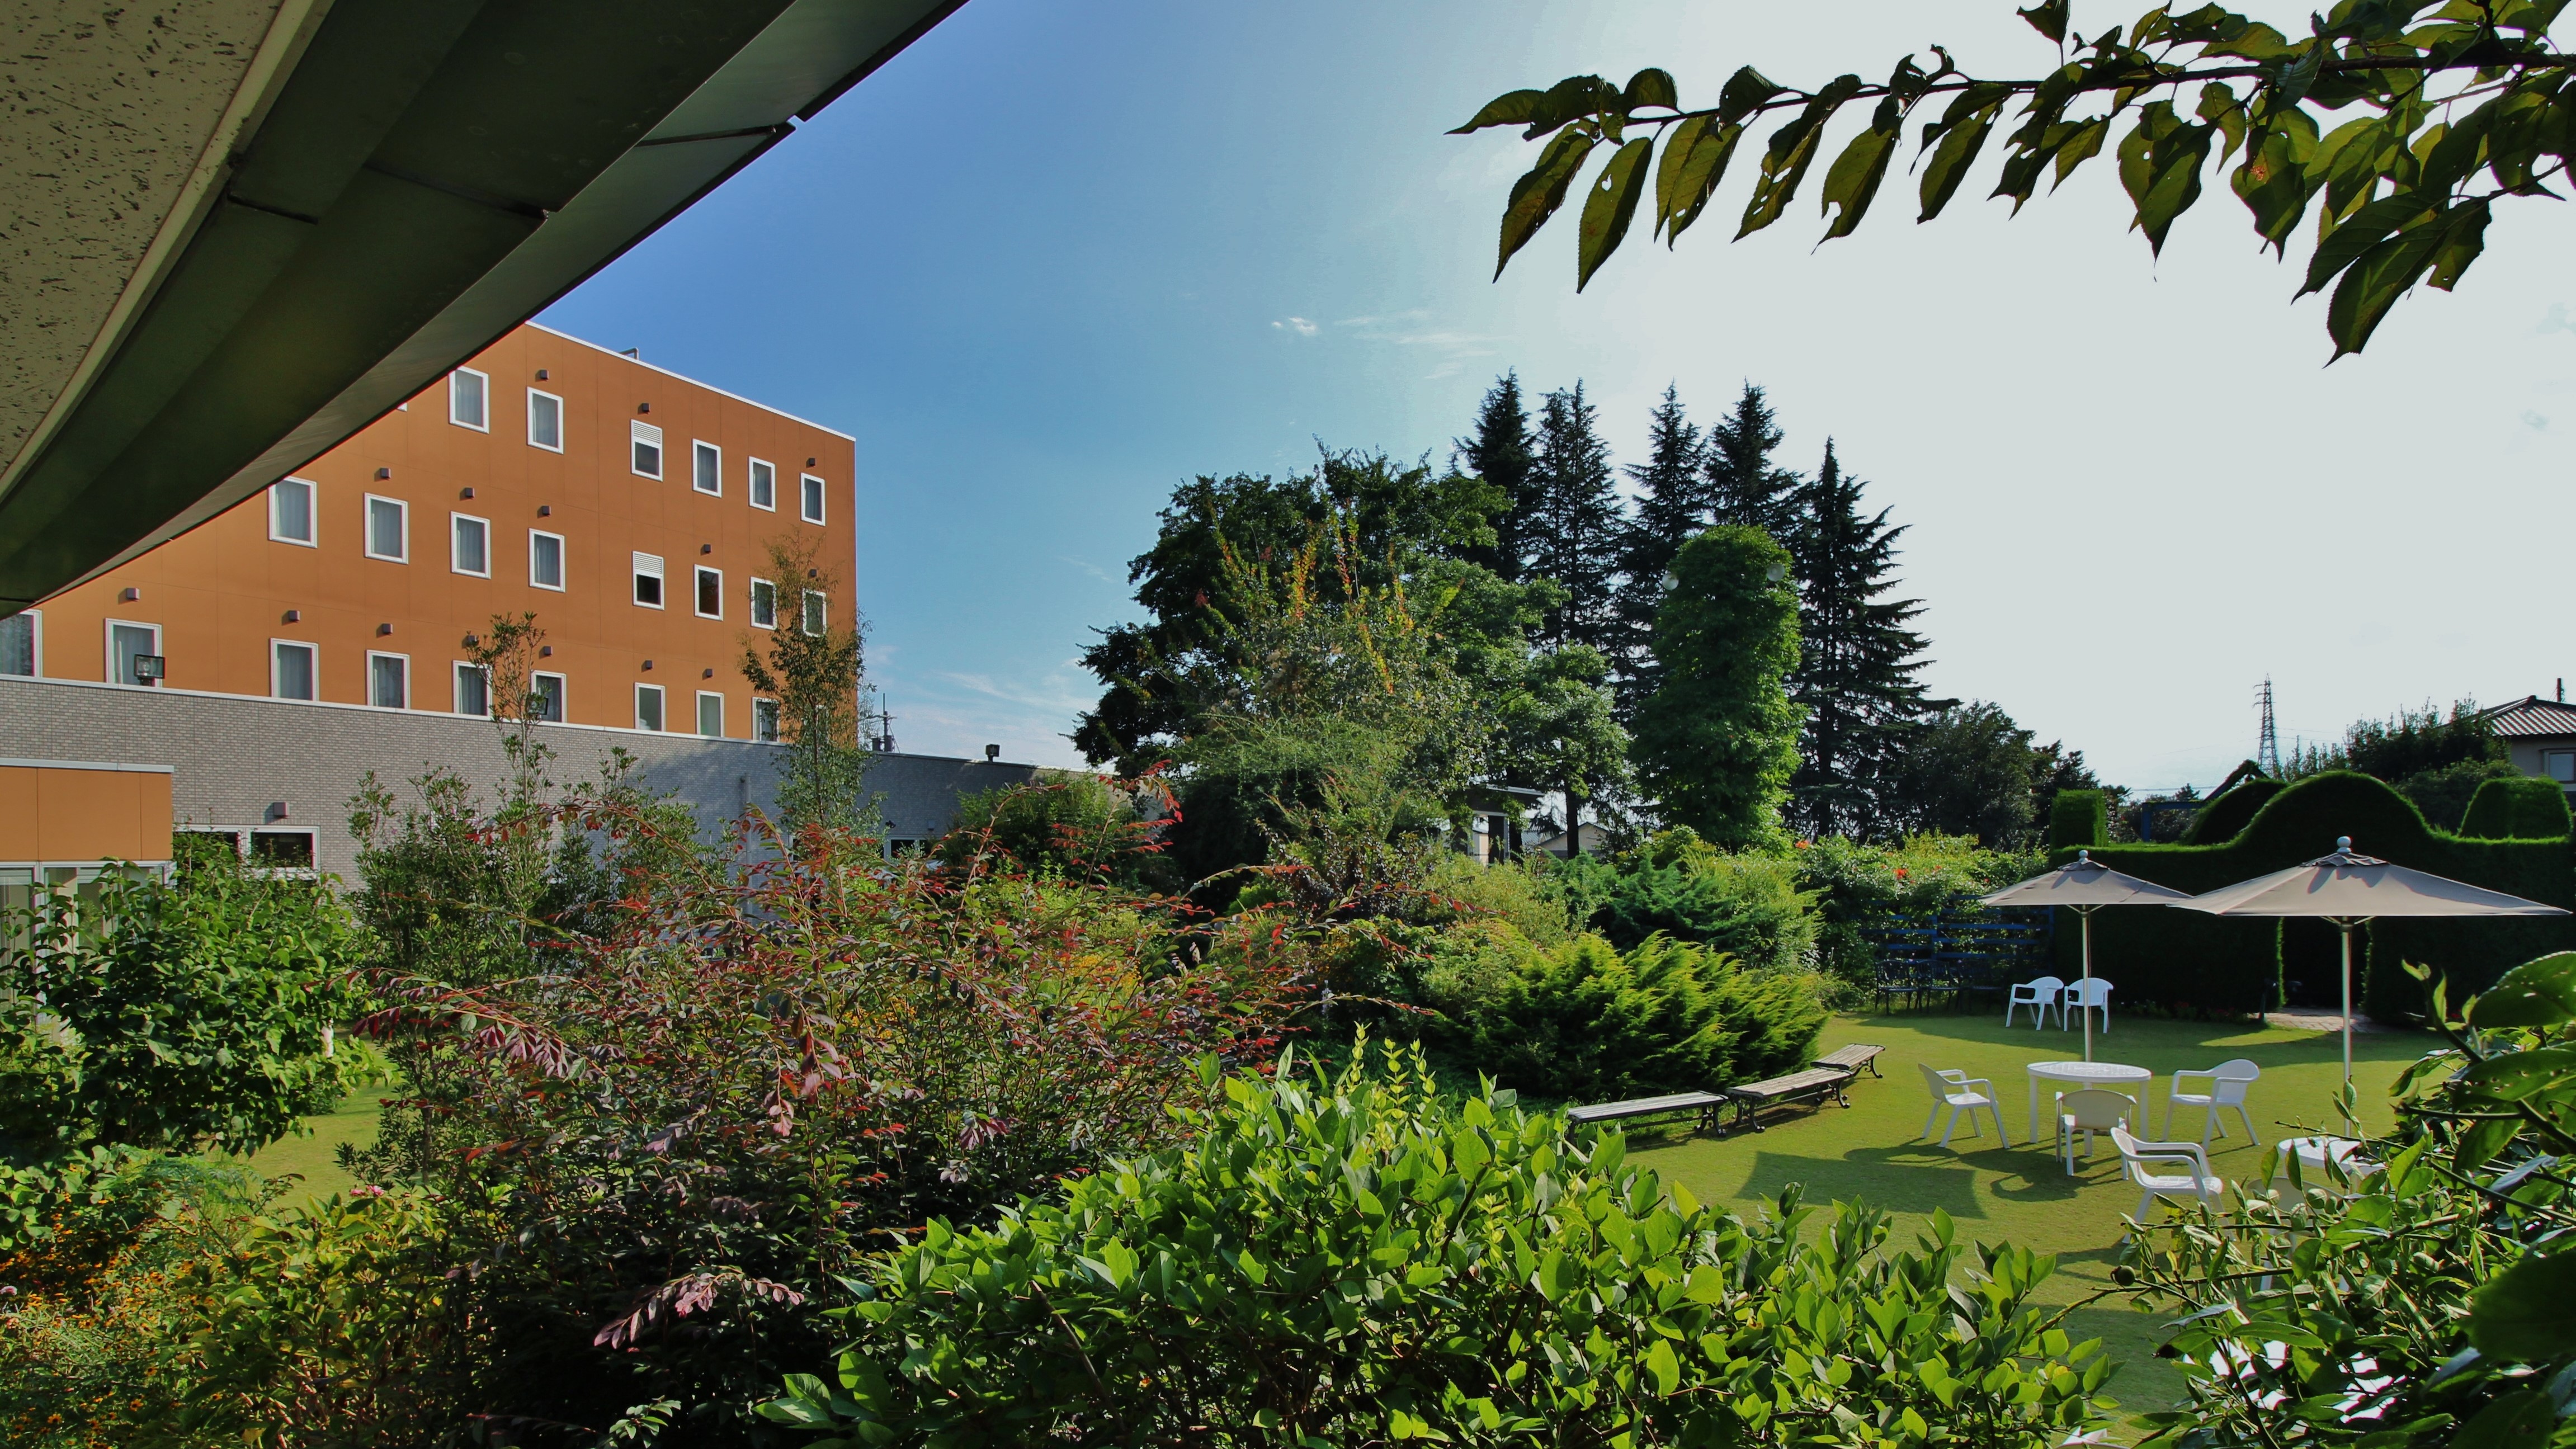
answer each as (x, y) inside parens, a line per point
(2226, 816)
(2517, 807)
(2078, 818)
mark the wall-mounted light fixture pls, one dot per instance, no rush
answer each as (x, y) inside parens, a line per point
(541, 374)
(706, 548)
(545, 510)
(128, 596)
(707, 674)
(545, 651)
(383, 629)
(465, 493)
(295, 616)
(643, 407)
(648, 663)
(382, 473)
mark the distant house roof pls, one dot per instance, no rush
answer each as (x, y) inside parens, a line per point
(2531, 717)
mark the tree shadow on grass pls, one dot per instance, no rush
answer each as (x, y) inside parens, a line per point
(1913, 1180)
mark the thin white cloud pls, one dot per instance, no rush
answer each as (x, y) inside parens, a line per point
(1092, 569)
(1298, 325)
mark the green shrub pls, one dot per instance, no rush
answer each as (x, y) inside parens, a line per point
(2517, 807)
(2078, 818)
(1584, 1022)
(2444, 794)
(1856, 883)
(1530, 895)
(2225, 816)
(1065, 822)
(1745, 903)
(1363, 1259)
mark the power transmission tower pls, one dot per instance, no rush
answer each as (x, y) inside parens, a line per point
(2267, 754)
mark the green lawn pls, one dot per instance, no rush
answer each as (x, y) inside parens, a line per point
(2020, 1193)
(313, 1158)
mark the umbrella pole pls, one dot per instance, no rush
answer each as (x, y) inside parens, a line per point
(2088, 987)
(2346, 928)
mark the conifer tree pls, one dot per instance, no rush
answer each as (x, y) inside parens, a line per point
(1672, 508)
(1502, 453)
(1573, 528)
(1717, 742)
(1856, 670)
(1744, 487)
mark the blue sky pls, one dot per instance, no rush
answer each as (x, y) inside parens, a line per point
(1055, 259)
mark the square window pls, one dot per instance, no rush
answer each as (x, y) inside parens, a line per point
(388, 529)
(648, 706)
(545, 560)
(648, 449)
(281, 849)
(710, 593)
(710, 714)
(291, 669)
(764, 604)
(22, 644)
(816, 615)
(546, 697)
(2559, 765)
(648, 580)
(764, 485)
(764, 721)
(813, 498)
(706, 467)
(466, 391)
(473, 690)
(134, 653)
(471, 551)
(545, 421)
(290, 511)
(388, 681)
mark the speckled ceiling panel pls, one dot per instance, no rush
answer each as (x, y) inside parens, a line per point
(104, 111)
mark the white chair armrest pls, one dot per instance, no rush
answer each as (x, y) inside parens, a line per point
(1978, 1082)
(2175, 1152)
(2178, 1076)
(1951, 1074)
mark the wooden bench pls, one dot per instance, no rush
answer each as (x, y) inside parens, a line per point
(1709, 1105)
(1852, 1058)
(1814, 1082)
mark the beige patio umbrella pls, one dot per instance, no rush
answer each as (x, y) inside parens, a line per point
(2345, 889)
(2084, 885)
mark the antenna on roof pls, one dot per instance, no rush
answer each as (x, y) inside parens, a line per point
(2267, 753)
(2562, 689)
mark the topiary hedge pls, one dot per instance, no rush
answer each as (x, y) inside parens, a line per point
(2186, 959)
(2225, 818)
(2519, 808)
(2078, 818)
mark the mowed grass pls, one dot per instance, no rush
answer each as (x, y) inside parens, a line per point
(2016, 1193)
(312, 1160)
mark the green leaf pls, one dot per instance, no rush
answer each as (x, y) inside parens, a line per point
(2513, 1076)
(1652, 87)
(2482, 1141)
(2373, 284)
(2357, 234)
(1512, 108)
(1852, 181)
(2519, 1420)
(2464, 236)
(1960, 143)
(1745, 92)
(2048, 18)
(2535, 993)
(1537, 195)
(1666, 1369)
(1607, 210)
(1792, 151)
(1695, 175)
(2273, 186)
(2527, 1313)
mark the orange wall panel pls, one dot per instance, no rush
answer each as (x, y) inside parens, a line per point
(221, 593)
(68, 812)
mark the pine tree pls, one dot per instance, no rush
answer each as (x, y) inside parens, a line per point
(1672, 508)
(1744, 487)
(1856, 673)
(1573, 526)
(1502, 454)
(1717, 742)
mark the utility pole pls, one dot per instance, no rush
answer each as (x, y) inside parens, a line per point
(2267, 753)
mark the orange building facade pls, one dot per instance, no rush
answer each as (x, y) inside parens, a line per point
(631, 510)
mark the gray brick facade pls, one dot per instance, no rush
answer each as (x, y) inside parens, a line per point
(236, 760)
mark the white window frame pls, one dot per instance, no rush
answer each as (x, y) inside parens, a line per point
(758, 702)
(637, 432)
(563, 561)
(312, 513)
(718, 696)
(662, 701)
(455, 563)
(817, 493)
(752, 604)
(107, 639)
(35, 644)
(751, 483)
(483, 382)
(312, 852)
(698, 591)
(563, 694)
(456, 688)
(367, 526)
(534, 441)
(372, 656)
(699, 448)
(660, 575)
(312, 649)
(803, 613)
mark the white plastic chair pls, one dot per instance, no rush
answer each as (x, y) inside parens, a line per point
(2091, 993)
(2200, 1182)
(2039, 996)
(2228, 1082)
(1956, 1090)
(2094, 1109)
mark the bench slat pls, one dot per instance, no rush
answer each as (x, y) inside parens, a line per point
(1645, 1106)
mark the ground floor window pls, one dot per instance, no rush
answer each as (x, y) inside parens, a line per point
(473, 690)
(546, 695)
(648, 706)
(764, 721)
(133, 653)
(389, 681)
(710, 714)
(292, 669)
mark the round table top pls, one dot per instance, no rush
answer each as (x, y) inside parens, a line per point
(2090, 1072)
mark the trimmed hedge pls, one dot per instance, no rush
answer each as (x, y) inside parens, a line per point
(2184, 958)
(2518, 808)
(2078, 818)
(2225, 818)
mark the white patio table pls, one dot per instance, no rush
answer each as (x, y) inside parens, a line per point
(2313, 1153)
(2083, 1074)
